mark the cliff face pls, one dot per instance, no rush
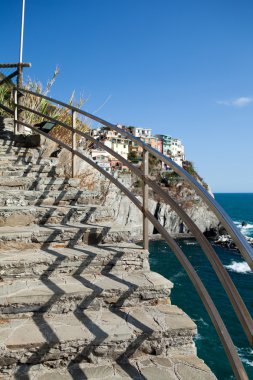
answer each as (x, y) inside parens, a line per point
(125, 213)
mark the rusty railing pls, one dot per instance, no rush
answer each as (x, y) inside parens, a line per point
(245, 249)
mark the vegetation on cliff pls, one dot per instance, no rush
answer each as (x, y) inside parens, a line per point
(43, 106)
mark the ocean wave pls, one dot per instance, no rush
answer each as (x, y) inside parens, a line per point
(241, 267)
(186, 242)
(201, 320)
(177, 275)
(198, 337)
(244, 229)
(244, 353)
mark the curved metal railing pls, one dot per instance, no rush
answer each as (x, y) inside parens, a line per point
(245, 249)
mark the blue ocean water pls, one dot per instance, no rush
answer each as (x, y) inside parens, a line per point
(162, 260)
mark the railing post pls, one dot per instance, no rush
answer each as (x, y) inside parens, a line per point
(73, 143)
(145, 198)
(15, 111)
(19, 96)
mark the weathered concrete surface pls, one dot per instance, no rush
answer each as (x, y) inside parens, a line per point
(148, 367)
(67, 293)
(40, 183)
(19, 216)
(56, 260)
(64, 303)
(71, 234)
(111, 333)
(72, 196)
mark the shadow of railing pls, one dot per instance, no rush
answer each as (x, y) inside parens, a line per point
(39, 316)
(47, 331)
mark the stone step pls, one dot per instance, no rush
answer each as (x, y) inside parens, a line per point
(46, 197)
(12, 149)
(6, 143)
(145, 367)
(69, 234)
(56, 260)
(91, 335)
(27, 167)
(19, 157)
(34, 171)
(63, 294)
(24, 169)
(26, 160)
(45, 183)
(31, 174)
(13, 216)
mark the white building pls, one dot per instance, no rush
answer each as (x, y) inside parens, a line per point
(102, 158)
(140, 132)
(177, 151)
(112, 139)
(118, 145)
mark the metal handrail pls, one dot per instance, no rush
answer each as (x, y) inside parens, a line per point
(227, 283)
(233, 357)
(224, 218)
(16, 73)
(222, 274)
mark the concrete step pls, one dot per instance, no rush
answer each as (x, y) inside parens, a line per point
(26, 160)
(90, 291)
(12, 149)
(27, 166)
(145, 367)
(6, 143)
(89, 335)
(69, 234)
(44, 183)
(26, 169)
(56, 260)
(34, 171)
(46, 197)
(13, 216)
(16, 154)
(27, 173)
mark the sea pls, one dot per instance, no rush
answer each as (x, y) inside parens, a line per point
(163, 261)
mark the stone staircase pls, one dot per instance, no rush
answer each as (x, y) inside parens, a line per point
(72, 310)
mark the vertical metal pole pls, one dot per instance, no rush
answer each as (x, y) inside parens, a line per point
(145, 198)
(19, 98)
(20, 69)
(73, 143)
(22, 32)
(15, 111)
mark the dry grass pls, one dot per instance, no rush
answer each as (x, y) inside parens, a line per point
(44, 106)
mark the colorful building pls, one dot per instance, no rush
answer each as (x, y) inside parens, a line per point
(172, 148)
(113, 140)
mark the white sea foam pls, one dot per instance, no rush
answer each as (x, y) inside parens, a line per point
(247, 226)
(244, 229)
(177, 275)
(244, 354)
(247, 361)
(198, 337)
(201, 320)
(241, 267)
(190, 242)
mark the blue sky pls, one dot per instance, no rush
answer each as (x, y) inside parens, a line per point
(183, 68)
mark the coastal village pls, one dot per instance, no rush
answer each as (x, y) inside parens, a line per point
(167, 145)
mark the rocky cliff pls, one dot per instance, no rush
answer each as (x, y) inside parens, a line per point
(122, 210)
(125, 213)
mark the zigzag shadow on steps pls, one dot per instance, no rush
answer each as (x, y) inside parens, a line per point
(123, 359)
(52, 339)
(38, 318)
